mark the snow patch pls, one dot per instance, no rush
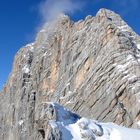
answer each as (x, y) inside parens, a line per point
(41, 31)
(45, 54)
(20, 122)
(67, 84)
(138, 46)
(30, 46)
(129, 57)
(26, 69)
(69, 93)
(31, 49)
(73, 127)
(115, 135)
(132, 77)
(122, 67)
(138, 123)
(69, 102)
(50, 54)
(123, 28)
(75, 131)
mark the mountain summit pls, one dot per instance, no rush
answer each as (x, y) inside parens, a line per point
(91, 67)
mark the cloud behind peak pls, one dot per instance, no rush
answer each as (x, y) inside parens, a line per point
(50, 9)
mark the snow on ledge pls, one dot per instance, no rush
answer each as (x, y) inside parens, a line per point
(74, 127)
(138, 46)
(138, 123)
(26, 69)
(20, 122)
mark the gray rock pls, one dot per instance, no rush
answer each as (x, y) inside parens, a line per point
(91, 67)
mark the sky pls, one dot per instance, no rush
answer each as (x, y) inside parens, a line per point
(21, 19)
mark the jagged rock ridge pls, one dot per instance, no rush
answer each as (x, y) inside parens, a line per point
(90, 66)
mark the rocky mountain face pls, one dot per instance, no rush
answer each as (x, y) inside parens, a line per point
(91, 67)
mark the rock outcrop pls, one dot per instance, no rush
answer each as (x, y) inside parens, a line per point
(92, 67)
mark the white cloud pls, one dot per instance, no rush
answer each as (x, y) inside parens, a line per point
(50, 9)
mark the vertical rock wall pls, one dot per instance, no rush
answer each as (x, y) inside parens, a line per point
(91, 67)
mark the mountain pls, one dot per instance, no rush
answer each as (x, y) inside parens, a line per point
(91, 67)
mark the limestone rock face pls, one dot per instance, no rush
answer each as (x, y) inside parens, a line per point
(91, 67)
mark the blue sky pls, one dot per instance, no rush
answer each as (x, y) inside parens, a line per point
(20, 19)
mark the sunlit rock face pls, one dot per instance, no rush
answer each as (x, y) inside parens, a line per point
(92, 67)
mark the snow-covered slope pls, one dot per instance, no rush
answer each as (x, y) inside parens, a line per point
(70, 126)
